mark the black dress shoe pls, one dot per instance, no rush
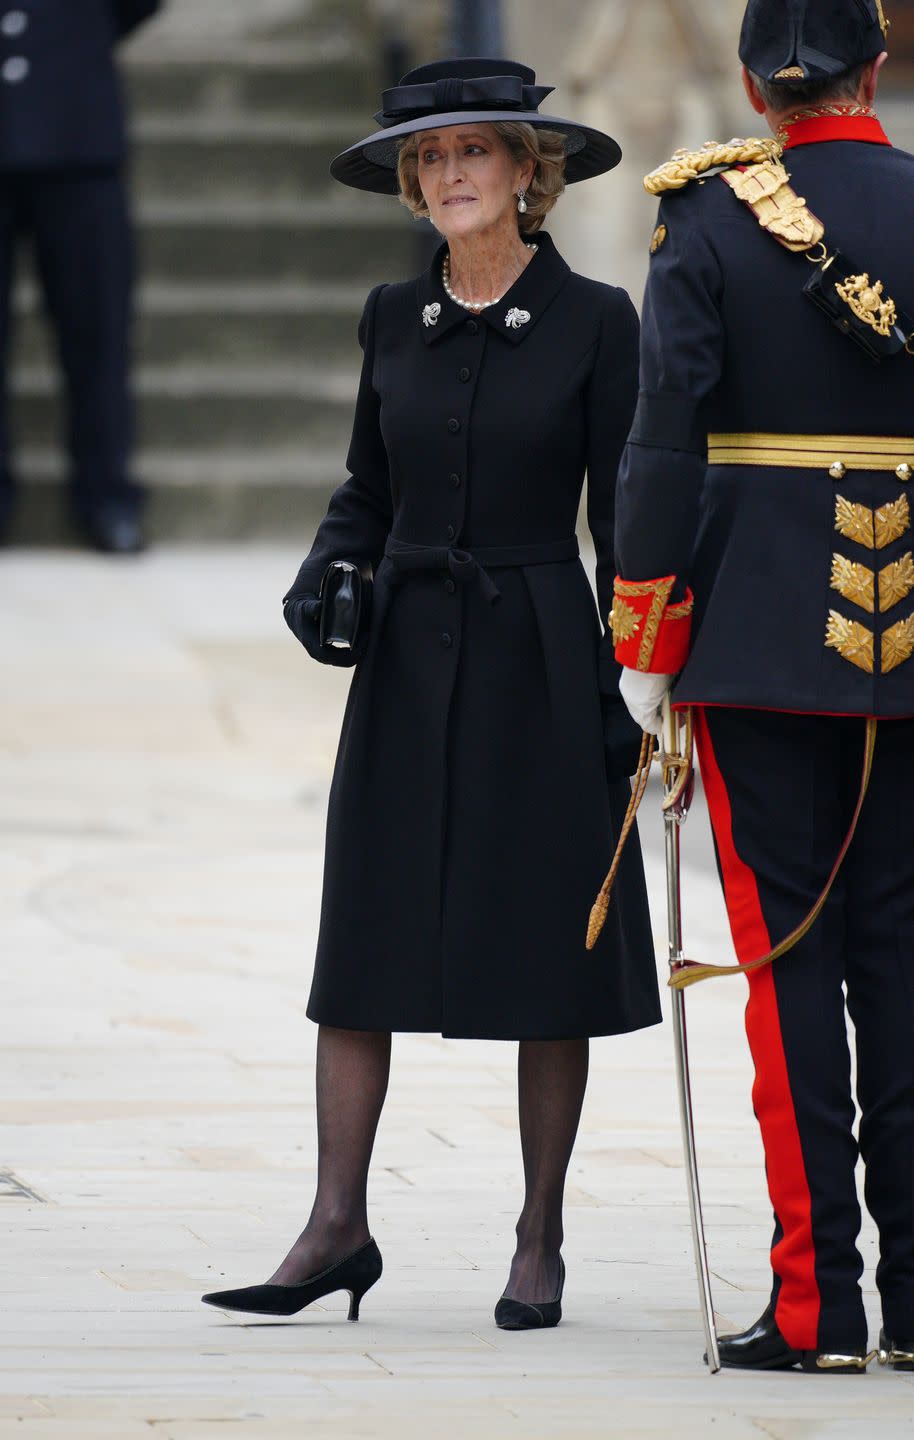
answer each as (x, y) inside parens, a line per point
(521, 1315)
(356, 1273)
(763, 1347)
(113, 529)
(897, 1353)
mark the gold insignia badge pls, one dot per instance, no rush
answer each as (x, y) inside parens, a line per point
(898, 645)
(855, 582)
(623, 622)
(896, 582)
(854, 522)
(658, 238)
(853, 641)
(792, 72)
(868, 303)
(892, 520)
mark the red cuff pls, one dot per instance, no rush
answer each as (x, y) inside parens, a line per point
(648, 632)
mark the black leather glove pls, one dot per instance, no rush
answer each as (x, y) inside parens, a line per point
(621, 739)
(303, 617)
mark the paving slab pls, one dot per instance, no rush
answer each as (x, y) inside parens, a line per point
(165, 756)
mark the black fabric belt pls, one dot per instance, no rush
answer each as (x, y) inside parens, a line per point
(466, 566)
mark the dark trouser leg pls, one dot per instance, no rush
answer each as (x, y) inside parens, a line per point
(552, 1079)
(880, 987)
(84, 252)
(9, 226)
(353, 1068)
(781, 800)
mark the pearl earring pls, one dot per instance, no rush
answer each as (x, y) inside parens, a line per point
(521, 202)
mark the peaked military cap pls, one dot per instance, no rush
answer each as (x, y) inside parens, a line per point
(466, 91)
(784, 40)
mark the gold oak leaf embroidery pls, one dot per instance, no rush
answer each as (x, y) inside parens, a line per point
(624, 622)
(896, 581)
(855, 582)
(898, 644)
(892, 520)
(854, 522)
(851, 639)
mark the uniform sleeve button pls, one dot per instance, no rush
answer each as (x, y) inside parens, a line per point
(453, 425)
(464, 373)
(447, 640)
(455, 480)
(15, 69)
(451, 533)
(449, 585)
(14, 23)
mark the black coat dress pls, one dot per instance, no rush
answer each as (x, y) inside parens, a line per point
(482, 776)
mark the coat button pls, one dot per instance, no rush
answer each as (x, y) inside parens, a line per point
(14, 22)
(837, 470)
(451, 533)
(447, 640)
(455, 480)
(904, 472)
(464, 373)
(15, 69)
(449, 585)
(453, 425)
(473, 327)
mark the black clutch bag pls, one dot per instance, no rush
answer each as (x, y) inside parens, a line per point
(345, 605)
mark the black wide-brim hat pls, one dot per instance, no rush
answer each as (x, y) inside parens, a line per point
(464, 92)
(797, 40)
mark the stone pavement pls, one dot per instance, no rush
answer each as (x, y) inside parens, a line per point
(165, 750)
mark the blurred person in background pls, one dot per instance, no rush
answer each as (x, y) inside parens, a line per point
(482, 776)
(63, 188)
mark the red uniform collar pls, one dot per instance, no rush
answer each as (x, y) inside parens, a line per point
(832, 122)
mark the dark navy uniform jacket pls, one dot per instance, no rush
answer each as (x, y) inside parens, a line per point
(731, 344)
(60, 101)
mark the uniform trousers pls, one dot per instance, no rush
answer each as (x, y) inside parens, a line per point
(78, 225)
(781, 791)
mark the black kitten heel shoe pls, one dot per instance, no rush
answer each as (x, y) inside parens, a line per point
(521, 1315)
(356, 1273)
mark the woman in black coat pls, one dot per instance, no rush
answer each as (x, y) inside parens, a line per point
(482, 771)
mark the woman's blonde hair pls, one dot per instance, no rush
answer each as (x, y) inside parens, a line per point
(546, 147)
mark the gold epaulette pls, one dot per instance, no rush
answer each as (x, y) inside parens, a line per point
(688, 165)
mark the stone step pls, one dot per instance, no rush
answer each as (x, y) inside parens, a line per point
(213, 324)
(314, 241)
(267, 80)
(250, 158)
(195, 407)
(237, 494)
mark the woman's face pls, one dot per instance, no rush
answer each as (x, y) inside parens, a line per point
(469, 179)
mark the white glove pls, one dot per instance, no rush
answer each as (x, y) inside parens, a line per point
(644, 696)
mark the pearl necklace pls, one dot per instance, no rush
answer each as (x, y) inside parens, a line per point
(468, 304)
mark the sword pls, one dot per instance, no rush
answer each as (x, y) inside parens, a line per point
(678, 788)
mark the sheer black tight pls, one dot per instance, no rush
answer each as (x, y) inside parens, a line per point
(353, 1068)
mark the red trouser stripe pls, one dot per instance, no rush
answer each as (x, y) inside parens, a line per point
(794, 1257)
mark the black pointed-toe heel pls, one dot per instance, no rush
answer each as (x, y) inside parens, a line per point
(356, 1273)
(521, 1315)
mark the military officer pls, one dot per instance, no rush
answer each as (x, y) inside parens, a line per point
(62, 152)
(764, 545)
